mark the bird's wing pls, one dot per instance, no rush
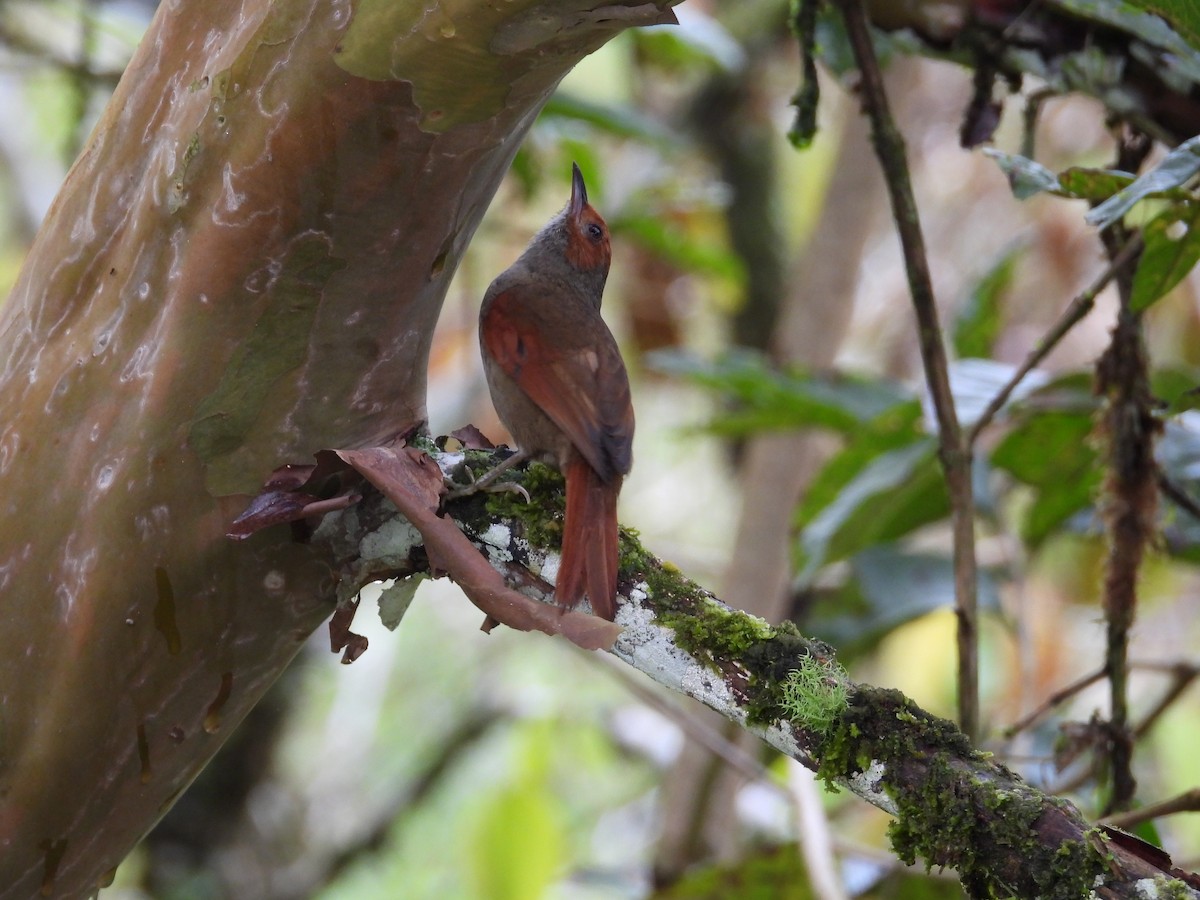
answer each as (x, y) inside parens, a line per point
(577, 377)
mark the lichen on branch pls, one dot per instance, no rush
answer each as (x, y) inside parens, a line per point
(954, 806)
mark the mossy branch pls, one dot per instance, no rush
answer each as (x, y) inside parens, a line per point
(954, 806)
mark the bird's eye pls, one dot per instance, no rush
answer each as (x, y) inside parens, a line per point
(595, 232)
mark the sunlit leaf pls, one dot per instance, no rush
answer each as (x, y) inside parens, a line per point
(519, 844)
(975, 383)
(1172, 246)
(1182, 15)
(699, 41)
(1176, 168)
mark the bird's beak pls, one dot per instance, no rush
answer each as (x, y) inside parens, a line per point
(578, 191)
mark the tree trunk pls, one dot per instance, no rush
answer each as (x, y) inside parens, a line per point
(244, 266)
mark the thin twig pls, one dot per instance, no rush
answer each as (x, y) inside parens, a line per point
(23, 44)
(816, 846)
(1072, 316)
(1178, 495)
(1188, 801)
(1033, 108)
(953, 451)
(1059, 697)
(1182, 675)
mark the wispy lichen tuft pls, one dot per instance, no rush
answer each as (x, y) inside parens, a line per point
(816, 693)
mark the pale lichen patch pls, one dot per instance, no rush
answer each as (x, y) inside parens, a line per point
(393, 540)
(869, 786)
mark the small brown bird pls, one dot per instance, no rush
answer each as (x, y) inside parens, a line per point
(560, 387)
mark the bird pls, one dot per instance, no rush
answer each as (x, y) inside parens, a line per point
(560, 387)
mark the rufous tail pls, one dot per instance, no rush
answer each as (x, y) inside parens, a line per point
(589, 547)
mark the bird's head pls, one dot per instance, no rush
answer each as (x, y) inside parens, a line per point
(588, 248)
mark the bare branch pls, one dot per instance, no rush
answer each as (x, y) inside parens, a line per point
(954, 806)
(1072, 316)
(954, 452)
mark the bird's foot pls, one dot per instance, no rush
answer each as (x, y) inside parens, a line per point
(475, 487)
(487, 482)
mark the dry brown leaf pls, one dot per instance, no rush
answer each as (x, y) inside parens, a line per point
(413, 482)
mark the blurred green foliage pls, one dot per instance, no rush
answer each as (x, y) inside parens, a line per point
(510, 811)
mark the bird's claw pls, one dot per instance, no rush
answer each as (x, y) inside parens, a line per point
(511, 487)
(484, 484)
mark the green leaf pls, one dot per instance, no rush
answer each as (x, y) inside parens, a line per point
(1172, 240)
(395, 599)
(519, 847)
(1094, 185)
(770, 874)
(519, 843)
(1026, 176)
(893, 494)
(1177, 386)
(899, 427)
(678, 246)
(889, 587)
(1029, 177)
(1182, 15)
(1155, 30)
(1045, 447)
(1176, 168)
(696, 43)
(978, 324)
(1052, 454)
(622, 121)
(768, 399)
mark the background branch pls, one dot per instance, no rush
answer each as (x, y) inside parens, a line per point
(1129, 429)
(954, 807)
(954, 453)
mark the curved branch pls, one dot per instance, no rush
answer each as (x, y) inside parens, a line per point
(953, 450)
(954, 806)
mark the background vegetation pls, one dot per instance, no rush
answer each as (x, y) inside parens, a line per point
(785, 455)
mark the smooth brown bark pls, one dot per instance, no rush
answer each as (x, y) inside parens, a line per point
(244, 266)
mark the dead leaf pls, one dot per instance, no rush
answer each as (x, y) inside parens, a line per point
(269, 508)
(413, 482)
(472, 438)
(341, 637)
